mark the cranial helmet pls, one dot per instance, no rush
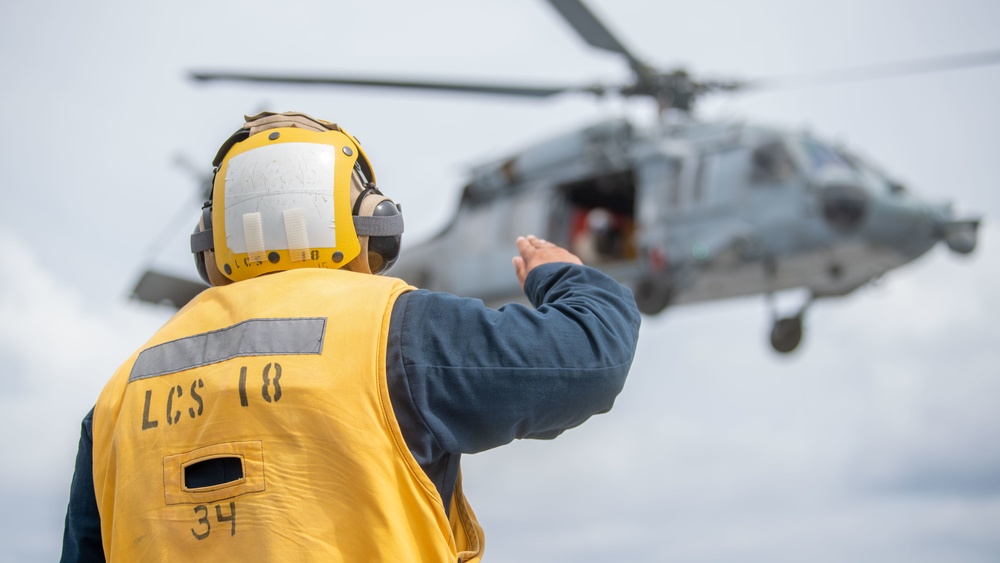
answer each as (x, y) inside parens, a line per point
(292, 192)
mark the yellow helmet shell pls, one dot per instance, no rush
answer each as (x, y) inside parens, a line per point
(282, 200)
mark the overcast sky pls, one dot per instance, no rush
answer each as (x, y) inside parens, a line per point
(878, 440)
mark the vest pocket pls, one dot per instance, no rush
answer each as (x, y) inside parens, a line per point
(213, 473)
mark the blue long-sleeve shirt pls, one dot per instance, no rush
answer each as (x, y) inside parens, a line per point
(464, 378)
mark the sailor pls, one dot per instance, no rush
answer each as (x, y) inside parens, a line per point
(307, 408)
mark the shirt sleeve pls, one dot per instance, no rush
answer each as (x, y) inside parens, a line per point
(82, 533)
(466, 378)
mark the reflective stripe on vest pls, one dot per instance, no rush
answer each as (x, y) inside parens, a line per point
(255, 337)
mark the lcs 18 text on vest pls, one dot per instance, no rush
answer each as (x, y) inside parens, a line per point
(178, 401)
(270, 390)
(175, 402)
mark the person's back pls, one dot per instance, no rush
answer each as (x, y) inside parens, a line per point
(303, 409)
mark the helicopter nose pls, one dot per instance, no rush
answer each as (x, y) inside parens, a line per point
(959, 235)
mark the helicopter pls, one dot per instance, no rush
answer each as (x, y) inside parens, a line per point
(682, 211)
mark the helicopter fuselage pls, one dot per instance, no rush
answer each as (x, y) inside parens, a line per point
(686, 212)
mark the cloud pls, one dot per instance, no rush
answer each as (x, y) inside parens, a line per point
(56, 356)
(937, 428)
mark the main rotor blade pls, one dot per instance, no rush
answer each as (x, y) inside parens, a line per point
(878, 71)
(467, 87)
(586, 24)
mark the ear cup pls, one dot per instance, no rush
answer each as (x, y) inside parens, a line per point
(380, 252)
(199, 259)
(383, 251)
(203, 249)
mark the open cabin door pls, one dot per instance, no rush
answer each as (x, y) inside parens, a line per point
(595, 218)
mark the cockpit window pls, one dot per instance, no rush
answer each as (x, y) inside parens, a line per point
(771, 163)
(875, 177)
(822, 156)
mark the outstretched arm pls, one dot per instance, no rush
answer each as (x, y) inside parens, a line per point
(468, 378)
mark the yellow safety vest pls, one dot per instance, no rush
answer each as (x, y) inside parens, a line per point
(256, 426)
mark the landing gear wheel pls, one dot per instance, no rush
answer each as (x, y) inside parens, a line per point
(786, 334)
(653, 294)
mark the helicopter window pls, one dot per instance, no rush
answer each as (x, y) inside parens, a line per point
(771, 163)
(872, 175)
(821, 156)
